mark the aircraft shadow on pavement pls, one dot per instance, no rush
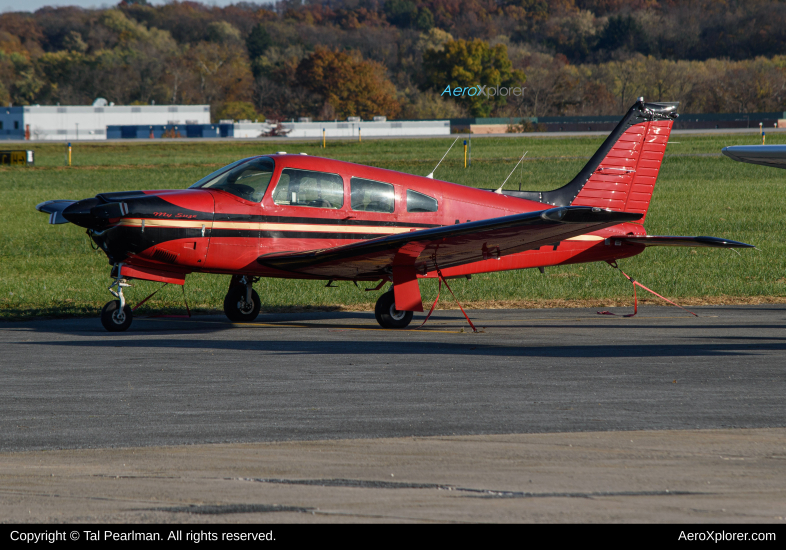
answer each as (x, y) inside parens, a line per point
(370, 348)
(155, 326)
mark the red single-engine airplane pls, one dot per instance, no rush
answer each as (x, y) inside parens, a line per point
(303, 217)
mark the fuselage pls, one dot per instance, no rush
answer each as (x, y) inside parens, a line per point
(310, 203)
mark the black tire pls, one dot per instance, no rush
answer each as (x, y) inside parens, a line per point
(388, 316)
(237, 309)
(115, 320)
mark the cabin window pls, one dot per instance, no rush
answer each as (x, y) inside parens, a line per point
(372, 196)
(418, 202)
(308, 188)
(248, 180)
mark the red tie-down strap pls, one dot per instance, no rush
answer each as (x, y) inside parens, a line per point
(635, 299)
(439, 289)
(188, 310)
(146, 299)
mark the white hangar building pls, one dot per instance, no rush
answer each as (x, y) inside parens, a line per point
(81, 122)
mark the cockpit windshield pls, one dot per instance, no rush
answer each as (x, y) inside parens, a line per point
(246, 178)
(214, 175)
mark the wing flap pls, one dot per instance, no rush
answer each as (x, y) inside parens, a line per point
(448, 246)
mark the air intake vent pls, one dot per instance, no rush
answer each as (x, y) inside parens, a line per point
(164, 256)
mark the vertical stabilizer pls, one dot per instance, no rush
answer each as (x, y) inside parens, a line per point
(621, 175)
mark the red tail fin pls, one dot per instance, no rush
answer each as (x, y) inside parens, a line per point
(621, 174)
(625, 178)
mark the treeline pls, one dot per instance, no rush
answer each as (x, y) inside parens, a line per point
(333, 59)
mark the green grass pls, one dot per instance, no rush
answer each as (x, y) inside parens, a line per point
(51, 270)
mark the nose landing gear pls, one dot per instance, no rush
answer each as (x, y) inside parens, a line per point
(116, 315)
(242, 303)
(387, 315)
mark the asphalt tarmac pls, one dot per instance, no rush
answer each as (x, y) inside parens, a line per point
(76, 399)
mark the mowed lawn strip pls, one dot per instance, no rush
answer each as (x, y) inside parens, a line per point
(52, 270)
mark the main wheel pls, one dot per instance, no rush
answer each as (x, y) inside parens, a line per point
(388, 316)
(237, 308)
(114, 319)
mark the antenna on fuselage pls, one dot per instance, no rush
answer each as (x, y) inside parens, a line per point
(499, 191)
(431, 175)
(521, 174)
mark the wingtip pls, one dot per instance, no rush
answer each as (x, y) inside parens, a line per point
(723, 243)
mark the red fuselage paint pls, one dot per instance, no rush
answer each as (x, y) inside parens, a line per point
(227, 234)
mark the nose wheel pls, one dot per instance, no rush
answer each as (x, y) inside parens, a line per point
(242, 304)
(388, 316)
(116, 318)
(117, 315)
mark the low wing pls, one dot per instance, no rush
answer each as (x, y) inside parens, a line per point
(448, 246)
(766, 155)
(55, 210)
(658, 240)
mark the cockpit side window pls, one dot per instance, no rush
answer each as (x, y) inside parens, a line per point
(371, 196)
(248, 180)
(309, 188)
(418, 202)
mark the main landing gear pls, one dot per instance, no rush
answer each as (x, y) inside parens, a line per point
(387, 315)
(241, 304)
(116, 315)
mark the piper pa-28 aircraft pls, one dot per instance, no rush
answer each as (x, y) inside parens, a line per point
(304, 217)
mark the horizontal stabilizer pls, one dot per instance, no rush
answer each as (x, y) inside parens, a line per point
(448, 246)
(55, 210)
(657, 240)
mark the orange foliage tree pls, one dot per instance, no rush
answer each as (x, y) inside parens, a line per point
(350, 85)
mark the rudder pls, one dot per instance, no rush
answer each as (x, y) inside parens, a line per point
(621, 175)
(625, 178)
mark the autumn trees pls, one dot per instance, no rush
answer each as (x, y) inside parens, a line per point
(462, 63)
(348, 85)
(713, 86)
(338, 58)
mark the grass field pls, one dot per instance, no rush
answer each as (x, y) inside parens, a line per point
(52, 270)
